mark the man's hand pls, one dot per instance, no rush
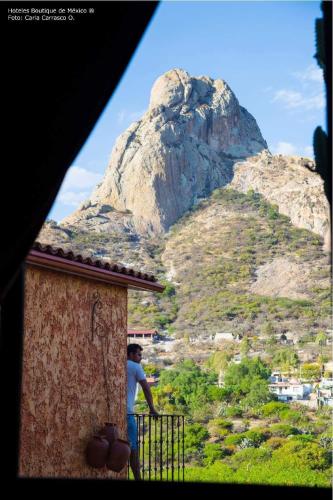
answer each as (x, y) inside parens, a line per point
(154, 414)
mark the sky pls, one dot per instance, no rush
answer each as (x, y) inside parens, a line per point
(264, 51)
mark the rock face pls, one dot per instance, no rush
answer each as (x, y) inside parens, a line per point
(181, 150)
(286, 182)
(195, 137)
(284, 277)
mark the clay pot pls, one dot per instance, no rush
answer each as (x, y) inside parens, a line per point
(97, 451)
(110, 431)
(119, 454)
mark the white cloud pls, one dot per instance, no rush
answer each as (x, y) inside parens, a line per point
(290, 98)
(311, 74)
(289, 149)
(308, 95)
(296, 100)
(80, 178)
(71, 198)
(77, 186)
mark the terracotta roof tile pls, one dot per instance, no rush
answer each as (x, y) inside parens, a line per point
(131, 332)
(109, 266)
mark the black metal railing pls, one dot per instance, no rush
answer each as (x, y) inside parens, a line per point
(160, 447)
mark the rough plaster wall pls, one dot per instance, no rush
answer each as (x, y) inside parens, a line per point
(74, 362)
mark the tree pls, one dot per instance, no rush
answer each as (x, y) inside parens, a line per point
(286, 359)
(219, 360)
(151, 369)
(274, 408)
(247, 382)
(258, 394)
(245, 346)
(321, 340)
(195, 435)
(236, 373)
(310, 371)
(213, 452)
(190, 386)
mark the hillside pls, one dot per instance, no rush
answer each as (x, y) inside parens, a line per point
(231, 264)
(193, 195)
(221, 260)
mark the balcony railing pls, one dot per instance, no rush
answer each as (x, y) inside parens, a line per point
(160, 447)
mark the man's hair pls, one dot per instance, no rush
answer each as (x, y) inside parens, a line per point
(133, 348)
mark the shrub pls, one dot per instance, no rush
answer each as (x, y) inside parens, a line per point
(223, 433)
(251, 455)
(306, 454)
(305, 438)
(273, 408)
(222, 424)
(291, 416)
(283, 430)
(219, 427)
(233, 411)
(216, 393)
(151, 369)
(326, 442)
(257, 435)
(212, 452)
(169, 290)
(275, 442)
(247, 443)
(195, 434)
(310, 371)
(228, 450)
(234, 439)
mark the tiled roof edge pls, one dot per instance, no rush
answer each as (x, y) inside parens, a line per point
(108, 266)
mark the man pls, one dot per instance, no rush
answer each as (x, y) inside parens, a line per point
(135, 373)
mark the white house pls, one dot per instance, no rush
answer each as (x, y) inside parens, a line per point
(325, 393)
(223, 336)
(290, 390)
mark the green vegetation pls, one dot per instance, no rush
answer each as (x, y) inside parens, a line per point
(217, 267)
(239, 433)
(310, 372)
(155, 312)
(272, 443)
(215, 270)
(285, 359)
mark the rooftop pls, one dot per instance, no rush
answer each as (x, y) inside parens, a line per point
(58, 259)
(141, 332)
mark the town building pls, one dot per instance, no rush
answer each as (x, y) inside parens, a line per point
(223, 336)
(290, 390)
(325, 393)
(142, 335)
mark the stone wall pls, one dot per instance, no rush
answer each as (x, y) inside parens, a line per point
(74, 371)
